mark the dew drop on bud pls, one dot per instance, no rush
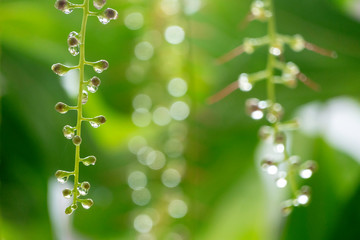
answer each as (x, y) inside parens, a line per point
(87, 203)
(67, 193)
(68, 131)
(244, 83)
(269, 166)
(281, 181)
(74, 206)
(307, 169)
(73, 39)
(60, 69)
(298, 43)
(61, 107)
(64, 6)
(275, 50)
(248, 45)
(97, 121)
(90, 160)
(265, 132)
(69, 210)
(98, 4)
(107, 15)
(304, 196)
(84, 97)
(84, 188)
(74, 50)
(77, 140)
(253, 109)
(62, 176)
(94, 84)
(100, 66)
(287, 208)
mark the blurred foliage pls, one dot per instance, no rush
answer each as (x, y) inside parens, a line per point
(228, 199)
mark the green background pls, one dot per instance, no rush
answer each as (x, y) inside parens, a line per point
(227, 198)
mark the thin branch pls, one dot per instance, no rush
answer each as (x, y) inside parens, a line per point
(308, 82)
(223, 93)
(230, 55)
(322, 51)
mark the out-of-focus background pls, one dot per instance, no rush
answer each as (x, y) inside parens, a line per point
(170, 166)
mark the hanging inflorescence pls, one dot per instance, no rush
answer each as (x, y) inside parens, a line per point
(76, 43)
(280, 163)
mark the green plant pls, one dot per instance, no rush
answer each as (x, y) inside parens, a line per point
(287, 168)
(76, 42)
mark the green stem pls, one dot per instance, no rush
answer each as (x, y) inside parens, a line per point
(271, 94)
(79, 103)
(271, 58)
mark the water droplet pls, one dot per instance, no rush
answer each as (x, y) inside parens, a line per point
(77, 140)
(107, 15)
(67, 193)
(61, 107)
(62, 176)
(141, 197)
(244, 83)
(143, 223)
(171, 178)
(269, 166)
(253, 109)
(100, 66)
(84, 97)
(266, 132)
(177, 87)
(69, 210)
(307, 169)
(287, 207)
(64, 6)
(91, 88)
(248, 45)
(74, 50)
(174, 34)
(97, 121)
(94, 124)
(60, 69)
(73, 39)
(297, 43)
(279, 148)
(69, 131)
(84, 188)
(177, 209)
(98, 4)
(86, 203)
(275, 50)
(134, 21)
(281, 182)
(90, 160)
(303, 197)
(137, 180)
(275, 113)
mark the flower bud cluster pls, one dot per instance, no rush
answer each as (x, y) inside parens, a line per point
(76, 46)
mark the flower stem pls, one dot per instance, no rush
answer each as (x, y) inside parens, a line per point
(271, 58)
(79, 104)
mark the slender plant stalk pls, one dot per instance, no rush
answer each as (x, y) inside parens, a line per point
(81, 88)
(263, 10)
(76, 44)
